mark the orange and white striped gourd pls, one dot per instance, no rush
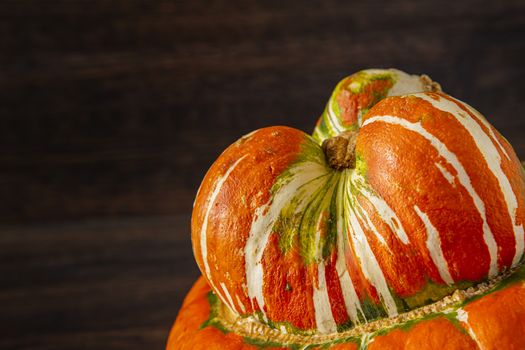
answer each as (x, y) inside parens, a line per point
(406, 208)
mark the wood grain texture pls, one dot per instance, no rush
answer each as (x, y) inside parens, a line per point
(106, 284)
(112, 110)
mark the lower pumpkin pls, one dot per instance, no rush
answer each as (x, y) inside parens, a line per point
(491, 316)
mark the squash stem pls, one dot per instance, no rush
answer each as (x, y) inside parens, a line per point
(340, 150)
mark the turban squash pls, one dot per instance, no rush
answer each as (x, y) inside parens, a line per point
(398, 225)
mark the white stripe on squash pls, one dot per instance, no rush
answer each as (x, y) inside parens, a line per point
(369, 265)
(367, 260)
(405, 83)
(363, 215)
(484, 121)
(446, 174)
(386, 213)
(241, 304)
(228, 296)
(334, 121)
(324, 318)
(462, 176)
(304, 178)
(462, 316)
(434, 247)
(351, 300)
(204, 247)
(492, 159)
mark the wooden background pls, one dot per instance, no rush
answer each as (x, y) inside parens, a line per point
(112, 111)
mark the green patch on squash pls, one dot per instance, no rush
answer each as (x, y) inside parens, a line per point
(433, 292)
(213, 319)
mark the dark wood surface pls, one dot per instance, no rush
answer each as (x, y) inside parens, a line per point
(97, 284)
(112, 111)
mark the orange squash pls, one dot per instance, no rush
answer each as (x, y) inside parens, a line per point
(398, 224)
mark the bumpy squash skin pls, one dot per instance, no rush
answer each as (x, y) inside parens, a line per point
(494, 321)
(498, 319)
(409, 171)
(257, 158)
(438, 333)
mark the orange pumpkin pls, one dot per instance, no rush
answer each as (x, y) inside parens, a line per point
(399, 224)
